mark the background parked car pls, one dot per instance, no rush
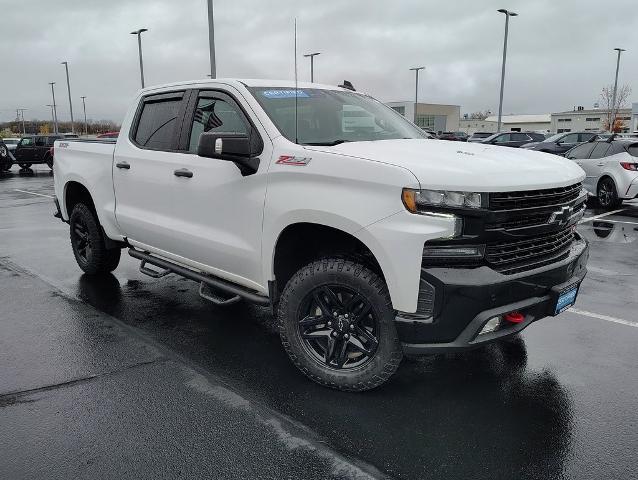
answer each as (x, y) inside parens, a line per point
(561, 142)
(454, 136)
(479, 136)
(36, 149)
(11, 143)
(6, 158)
(611, 168)
(513, 139)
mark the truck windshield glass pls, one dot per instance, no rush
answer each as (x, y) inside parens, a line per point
(330, 117)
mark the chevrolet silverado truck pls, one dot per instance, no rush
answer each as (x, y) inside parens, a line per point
(368, 240)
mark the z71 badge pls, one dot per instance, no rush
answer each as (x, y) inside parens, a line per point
(295, 161)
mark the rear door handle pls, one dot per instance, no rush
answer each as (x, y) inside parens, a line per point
(600, 164)
(123, 165)
(183, 172)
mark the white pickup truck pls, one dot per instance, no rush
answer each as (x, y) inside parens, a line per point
(367, 239)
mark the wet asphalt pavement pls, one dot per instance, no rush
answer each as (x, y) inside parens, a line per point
(129, 374)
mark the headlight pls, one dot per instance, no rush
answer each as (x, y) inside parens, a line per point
(416, 201)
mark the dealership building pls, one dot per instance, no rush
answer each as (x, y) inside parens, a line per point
(509, 123)
(581, 120)
(432, 116)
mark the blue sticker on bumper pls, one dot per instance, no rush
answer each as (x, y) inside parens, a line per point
(566, 300)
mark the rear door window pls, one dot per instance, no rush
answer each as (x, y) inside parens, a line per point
(520, 137)
(581, 151)
(633, 150)
(157, 126)
(600, 150)
(502, 138)
(40, 141)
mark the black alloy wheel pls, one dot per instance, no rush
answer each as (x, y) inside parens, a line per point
(80, 238)
(24, 166)
(89, 242)
(607, 194)
(336, 322)
(338, 327)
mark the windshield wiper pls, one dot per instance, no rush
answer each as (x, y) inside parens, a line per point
(326, 144)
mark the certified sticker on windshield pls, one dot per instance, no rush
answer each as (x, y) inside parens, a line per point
(284, 94)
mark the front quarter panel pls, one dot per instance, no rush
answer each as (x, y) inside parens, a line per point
(335, 190)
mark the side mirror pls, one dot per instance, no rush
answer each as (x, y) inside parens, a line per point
(239, 148)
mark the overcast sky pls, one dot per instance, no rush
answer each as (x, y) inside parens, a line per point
(560, 52)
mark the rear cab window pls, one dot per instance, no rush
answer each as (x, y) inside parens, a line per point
(157, 121)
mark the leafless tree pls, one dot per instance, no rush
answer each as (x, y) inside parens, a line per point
(611, 109)
(480, 115)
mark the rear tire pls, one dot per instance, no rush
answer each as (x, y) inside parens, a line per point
(88, 243)
(607, 194)
(49, 162)
(355, 349)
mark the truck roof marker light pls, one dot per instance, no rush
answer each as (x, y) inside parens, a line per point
(514, 317)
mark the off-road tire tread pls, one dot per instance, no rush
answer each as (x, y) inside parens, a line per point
(103, 260)
(341, 265)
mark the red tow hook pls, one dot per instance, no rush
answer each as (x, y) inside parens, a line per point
(514, 317)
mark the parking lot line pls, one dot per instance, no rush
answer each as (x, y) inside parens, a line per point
(603, 317)
(589, 219)
(33, 193)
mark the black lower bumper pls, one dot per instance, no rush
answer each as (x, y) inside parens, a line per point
(466, 298)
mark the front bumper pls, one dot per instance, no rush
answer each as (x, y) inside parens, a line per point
(466, 298)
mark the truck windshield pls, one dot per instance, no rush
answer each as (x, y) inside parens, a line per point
(330, 117)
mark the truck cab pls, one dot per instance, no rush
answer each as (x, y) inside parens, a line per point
(367, 239)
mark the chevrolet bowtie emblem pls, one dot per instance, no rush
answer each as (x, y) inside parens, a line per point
(561, 217)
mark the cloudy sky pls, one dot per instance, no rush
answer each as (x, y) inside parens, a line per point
(560, 52)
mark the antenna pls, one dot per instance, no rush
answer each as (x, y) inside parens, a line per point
(296, 87)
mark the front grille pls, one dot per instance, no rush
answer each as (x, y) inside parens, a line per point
(513, 257)
(548, 197)
(527, 219)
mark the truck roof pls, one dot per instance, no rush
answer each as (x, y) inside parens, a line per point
(248, 82)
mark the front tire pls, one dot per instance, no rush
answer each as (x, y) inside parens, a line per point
(607, 194)
(336, 322)
(88, 243)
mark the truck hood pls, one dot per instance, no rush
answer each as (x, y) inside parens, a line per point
(439, 164)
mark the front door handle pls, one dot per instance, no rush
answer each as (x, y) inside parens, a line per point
(123, 165)
(183, 172)
(600, 164)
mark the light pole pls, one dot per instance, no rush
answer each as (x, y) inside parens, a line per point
(614, 110)
(211, 40)
(139, 48)
(312, 64)
(68, 89)
(416, 89)
(86, 128)
(508, 14)
(55, 111)
(52, 118)
(21, 110)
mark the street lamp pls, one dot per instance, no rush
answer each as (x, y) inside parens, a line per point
(614, 110)
(139, 48)
(508, 14)
(416, 89)
(55, 111)
(211, 40)
(52, 117)
(86, 128)
(68, 88)
(312, 64)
